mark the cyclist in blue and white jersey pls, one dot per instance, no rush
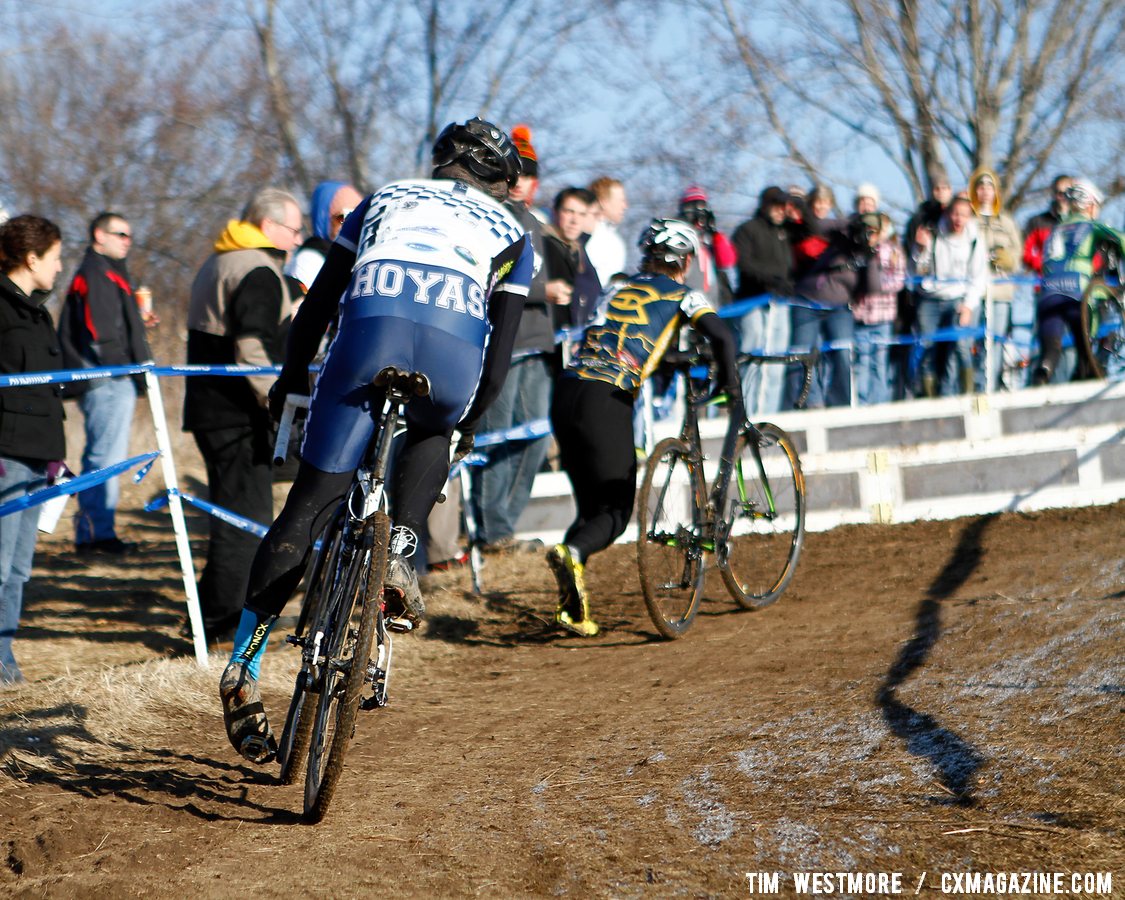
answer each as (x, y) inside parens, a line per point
(425, 275)
(592, 410)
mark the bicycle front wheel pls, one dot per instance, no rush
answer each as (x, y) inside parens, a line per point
(765, 517)
(669, 539)
(294, 742)
(348, 621)
(1103, 330)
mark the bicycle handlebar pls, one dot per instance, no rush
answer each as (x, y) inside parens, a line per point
(685, 360)
(293, 402)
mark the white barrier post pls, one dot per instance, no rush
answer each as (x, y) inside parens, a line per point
(475, 561)
(176, 509)
(989, 339)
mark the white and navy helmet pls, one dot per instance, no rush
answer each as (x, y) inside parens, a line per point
(668, 240)
(1082, 193)
(480, 147)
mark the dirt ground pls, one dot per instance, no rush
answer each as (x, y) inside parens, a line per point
(929, 698)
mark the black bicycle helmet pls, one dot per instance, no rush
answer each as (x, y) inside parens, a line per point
(668, 240)
(480, 147)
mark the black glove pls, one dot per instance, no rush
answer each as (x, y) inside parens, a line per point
(288, 382)
(465, 444)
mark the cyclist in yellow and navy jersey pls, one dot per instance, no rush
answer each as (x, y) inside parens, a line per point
(592, 410)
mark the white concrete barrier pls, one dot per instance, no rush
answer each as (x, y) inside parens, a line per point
(1045, 447)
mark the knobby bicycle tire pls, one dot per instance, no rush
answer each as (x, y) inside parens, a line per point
(293, 745)
(669, 529)
(764, 517)
(342, 684)
(1103, 329)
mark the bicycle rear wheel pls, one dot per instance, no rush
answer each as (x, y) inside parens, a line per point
(294, 742)
(765, 517)
(348, 619)
(669, 539)
(1103, 330)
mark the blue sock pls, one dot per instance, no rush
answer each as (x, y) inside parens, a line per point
(251, 638)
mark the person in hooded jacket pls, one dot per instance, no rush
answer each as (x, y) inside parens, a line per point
(1001, 237)
(240, 303)
(330, 205)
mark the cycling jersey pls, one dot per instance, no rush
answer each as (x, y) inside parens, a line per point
(1071, 258)
(425, 257)
(641, 321)
(432, 252)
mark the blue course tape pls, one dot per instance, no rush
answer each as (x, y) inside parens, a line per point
(225, 515)
(72, 375)
(80, 483)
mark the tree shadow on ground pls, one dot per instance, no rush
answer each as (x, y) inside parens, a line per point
(955, 759)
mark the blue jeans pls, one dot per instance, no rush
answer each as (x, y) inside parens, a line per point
(108, 409)
(942, 361)
(502, 487)
(1002, 319)
(811, 327)
(872, 353)
(18, 534)
(764, 329)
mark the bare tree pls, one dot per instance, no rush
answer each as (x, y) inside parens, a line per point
(141, 125)
(958, 84)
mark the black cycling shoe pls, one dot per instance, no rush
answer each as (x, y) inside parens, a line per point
(245, 716)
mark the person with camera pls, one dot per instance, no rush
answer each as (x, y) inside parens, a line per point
(822, 312)
(875, 312)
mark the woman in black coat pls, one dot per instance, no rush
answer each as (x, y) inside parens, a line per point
(31, 416)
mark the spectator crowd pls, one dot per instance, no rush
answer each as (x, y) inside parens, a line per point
(896, 312)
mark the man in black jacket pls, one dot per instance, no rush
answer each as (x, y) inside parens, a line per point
(764, 253)
(502, 488)
(240, 304)
(100, 325)
(765, 256)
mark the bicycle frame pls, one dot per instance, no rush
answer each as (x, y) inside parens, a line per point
(366, 495)
(689, 433)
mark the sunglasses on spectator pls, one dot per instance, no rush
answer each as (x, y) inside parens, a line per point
(340, 216)
(124, 235)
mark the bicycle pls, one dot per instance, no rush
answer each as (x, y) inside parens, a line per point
(343, 614)
(755, 535)
(1103, 328)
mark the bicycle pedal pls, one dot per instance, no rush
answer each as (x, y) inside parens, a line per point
(399, 626)
(375, 701)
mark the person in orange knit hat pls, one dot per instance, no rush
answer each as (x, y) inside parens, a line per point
(502, 487)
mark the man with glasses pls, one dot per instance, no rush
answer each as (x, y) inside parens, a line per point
(331, 202)
(100, 325)
(238, 314)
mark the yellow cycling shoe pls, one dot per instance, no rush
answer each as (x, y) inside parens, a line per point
(584, 627)
(573, 611)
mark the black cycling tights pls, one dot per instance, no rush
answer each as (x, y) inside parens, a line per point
(420, 471)
(593, 424)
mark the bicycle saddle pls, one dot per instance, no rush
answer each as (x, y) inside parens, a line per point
(406, 383)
